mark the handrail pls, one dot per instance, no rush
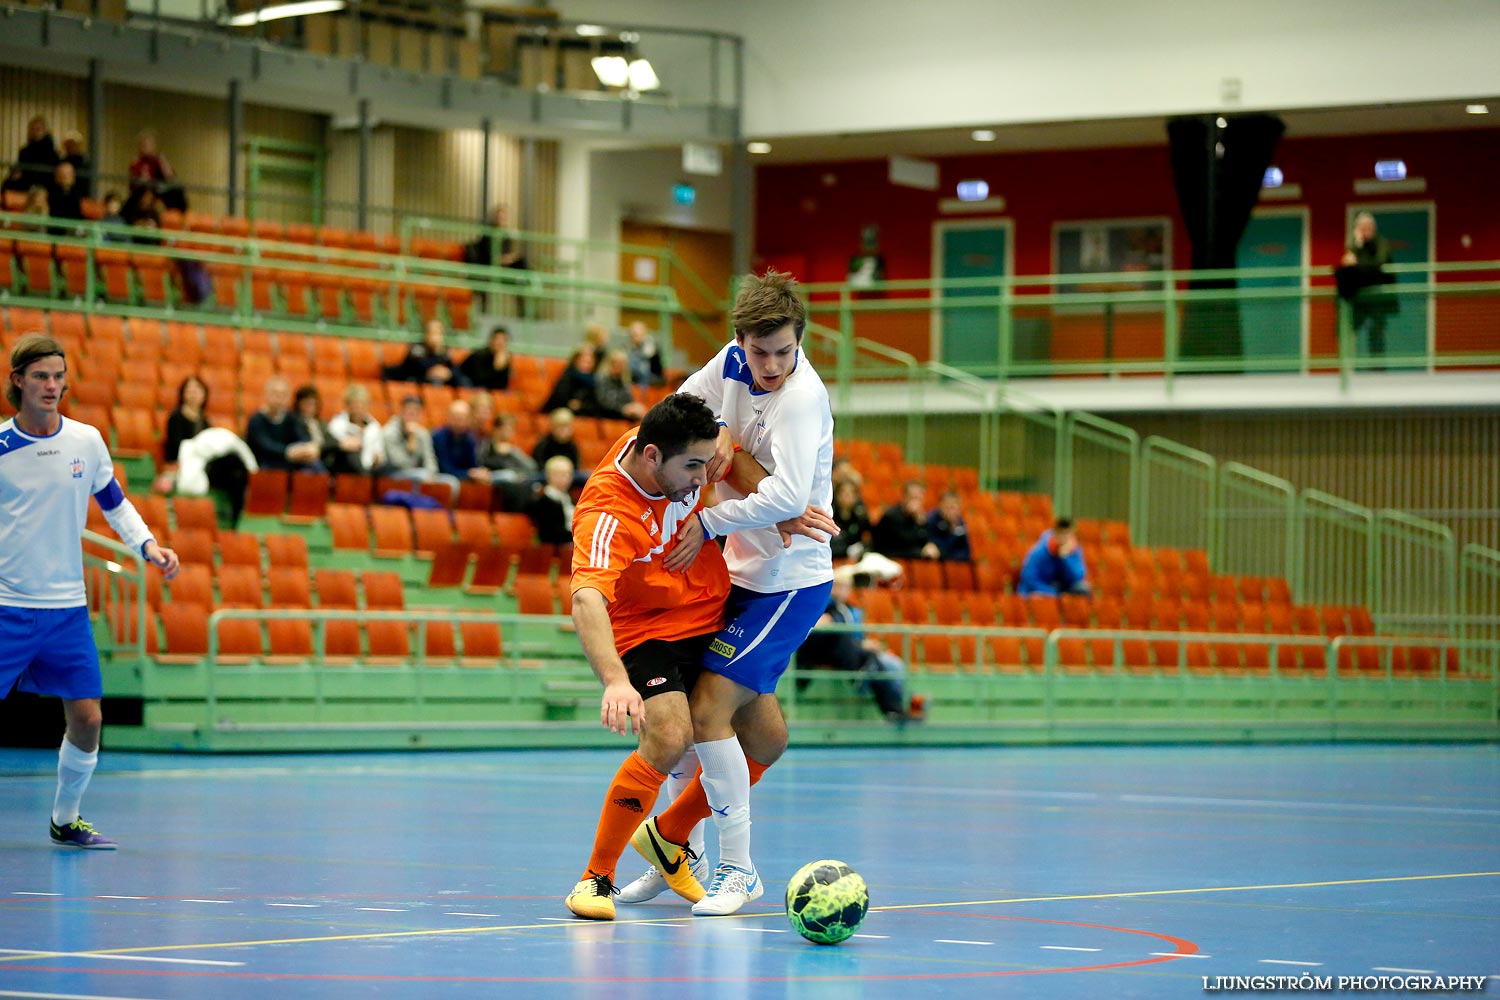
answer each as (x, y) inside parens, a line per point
(127, 582)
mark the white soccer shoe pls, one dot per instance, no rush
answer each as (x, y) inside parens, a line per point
(731, 889)
(651, 883)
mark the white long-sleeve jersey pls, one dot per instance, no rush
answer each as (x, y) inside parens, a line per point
(789, 431)
(45, 485)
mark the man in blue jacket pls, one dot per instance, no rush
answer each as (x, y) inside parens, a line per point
(1055, 563)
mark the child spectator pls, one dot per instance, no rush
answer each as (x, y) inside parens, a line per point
(1054, 565)
(947, 531)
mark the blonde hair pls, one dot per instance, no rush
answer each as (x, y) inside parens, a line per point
(558, 463)
(766, 303)
(30, 348)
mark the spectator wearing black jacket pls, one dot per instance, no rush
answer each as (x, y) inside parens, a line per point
(489, 367)
(428, 360)
(901, 532)
(574, 389)
(36, 160)
(277, 437)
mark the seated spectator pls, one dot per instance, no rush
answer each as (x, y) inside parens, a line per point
(307, 404)
(596, 336)
(853, 519)
(36, 159)
(73, 154)
(489, 367)
(500, 454)
(112, 217)
(614, 395)
(853, 652)
(63, 196)
(188, 419)
(142, 208)
(1054, 565)
(151, 171)
(277, 437)
(574, 389)
(37, 203)
(408, 447)
(901, 532)
(845, 472)
(551, 509)
(645, 357)
(428, 360)
(559, 441)
(483, 406)
(946, 529)
(456, 447)
(361, 445)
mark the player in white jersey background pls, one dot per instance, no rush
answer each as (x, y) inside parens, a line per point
(50, 465)
(773, 406)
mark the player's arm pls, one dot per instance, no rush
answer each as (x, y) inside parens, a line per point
(622, 702)
(785, 494)
(707, 383)
(126, 520)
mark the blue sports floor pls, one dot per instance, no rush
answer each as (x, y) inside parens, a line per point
(1037, 872)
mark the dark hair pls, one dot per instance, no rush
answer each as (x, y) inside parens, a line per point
(30, 348)
(1063, 524)
(182, 391)
(674, 423)
(305, 393)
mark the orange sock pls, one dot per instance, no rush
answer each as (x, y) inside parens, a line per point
(692, 805)
(627, 803)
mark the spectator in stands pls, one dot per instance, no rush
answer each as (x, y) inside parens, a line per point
(112, 216)
(502, 456)
(596, 336)
(483, 406)
(614, 395)
(457, 448)
(489, 367)
(851, 651)
(150, 170)
(551, 509)
(1363, 267)
(408, 447)
(188, 419)
(37, 203)
(490, 250)
(73, 154)
(277, 438)
(559, 441)
(428, 360)
(853, 519)
(845, 472)
(574, 389)
(307, 404)
(142, 208)
(1054, 565)
(901, 532)
(361, 444)
(36, 159)
(645, 357)
(946, 529)
(63, 196)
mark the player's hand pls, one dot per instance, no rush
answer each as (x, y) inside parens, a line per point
(164, 559)
(689, 541)
(814, 523)
(622, 703)
(718, 466)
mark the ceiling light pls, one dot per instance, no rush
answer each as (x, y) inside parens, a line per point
(1221, 121)
(612, 71)
(642, 76)
(275, 11)
(1477, 109)
(982, 135)
(591, 30)
(758, 148)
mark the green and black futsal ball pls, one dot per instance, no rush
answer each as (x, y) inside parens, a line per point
(826, 901)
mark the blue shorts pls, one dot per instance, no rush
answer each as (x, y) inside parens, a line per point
(51, 651)
(763, 632)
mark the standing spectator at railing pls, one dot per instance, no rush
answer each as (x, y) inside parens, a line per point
(36, 159)
(482, 250)
(408, 447)
(645, 356)
(276, 436)
(901, 532)
(83, 170)
(946, 529)
(1054, 565)
(151, 170)
(358, 433)
(853, 519)
(1361, 268)
(456, 447)
(574, 388)
(489, 367)
(428, 360)
(63, 196)
(614, 395)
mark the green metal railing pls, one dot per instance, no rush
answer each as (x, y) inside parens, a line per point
(121, 573)
(1177, 486)
(1112, 453)
(1479, 597)
(1416, 569)
(1255, 533)
(1338, 556)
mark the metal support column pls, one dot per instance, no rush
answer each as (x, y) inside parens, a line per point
(236, 130)
(364, 164)
(487, 133)
(741, 175)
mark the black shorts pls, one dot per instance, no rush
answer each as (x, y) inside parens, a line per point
(657, 666)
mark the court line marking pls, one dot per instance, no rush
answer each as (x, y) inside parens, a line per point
(20, 893)
(459, 913)
(300, 906)
(112, 958)
(1063, 947)
(875, 937)
(226, 902)
(551, 921)
(64, 996)
(123, 897)
(952, 941)
(1173, 954)
(1282, 961)
(380, 909)
(1386, 968)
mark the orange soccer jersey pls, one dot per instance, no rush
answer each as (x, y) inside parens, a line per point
(620, 534)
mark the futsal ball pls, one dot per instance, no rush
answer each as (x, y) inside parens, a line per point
(826, 901)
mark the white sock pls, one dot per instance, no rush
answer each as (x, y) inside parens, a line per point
(678, 779)
(74, 769)
(726, 782)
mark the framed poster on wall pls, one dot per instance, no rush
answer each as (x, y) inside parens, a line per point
(1112, 247)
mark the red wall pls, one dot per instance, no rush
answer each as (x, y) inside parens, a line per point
(809, 216)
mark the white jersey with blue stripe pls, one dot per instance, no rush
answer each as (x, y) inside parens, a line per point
(45, 485)
(789, 431)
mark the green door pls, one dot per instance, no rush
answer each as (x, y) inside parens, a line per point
(1271, 328)
(1409, 231)
(971, 334)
